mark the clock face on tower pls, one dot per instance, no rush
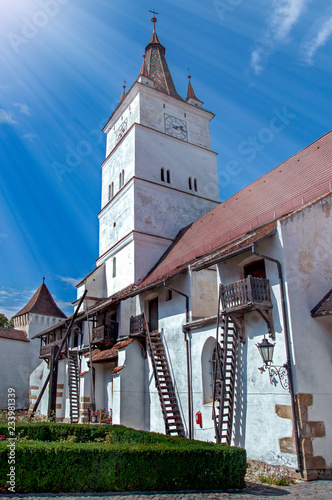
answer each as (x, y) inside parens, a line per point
(175, 127)
(121, 131)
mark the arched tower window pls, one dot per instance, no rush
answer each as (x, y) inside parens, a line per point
(162, 175)
(168, 176)
(122, 177)
(195, 184)
(190, 184)
(114, 267)
(211, 366)
(111, 191)
(120, 180)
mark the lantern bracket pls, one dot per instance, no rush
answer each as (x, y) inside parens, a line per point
(277, 371)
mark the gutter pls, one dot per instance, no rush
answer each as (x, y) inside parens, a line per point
(288, 355)
(204, 264)
(189, 368)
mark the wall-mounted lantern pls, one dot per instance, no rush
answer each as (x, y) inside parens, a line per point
(266, 349)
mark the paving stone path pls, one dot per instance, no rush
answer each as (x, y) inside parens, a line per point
(313, 490)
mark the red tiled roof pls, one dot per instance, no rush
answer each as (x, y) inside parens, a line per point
(299, 180)
(12, 334)
(42, 302)
(109, 354)
(117, 370)
(324, 307)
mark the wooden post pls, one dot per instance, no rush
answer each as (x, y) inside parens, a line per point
(53, 383)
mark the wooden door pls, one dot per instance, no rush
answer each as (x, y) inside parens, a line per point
(255, 269)
(153, 315)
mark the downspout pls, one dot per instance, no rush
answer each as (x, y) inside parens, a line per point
(288, 355)
(188, 359)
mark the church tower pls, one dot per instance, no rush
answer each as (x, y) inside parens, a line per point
(159, 174)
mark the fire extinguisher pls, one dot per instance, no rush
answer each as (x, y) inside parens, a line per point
(199, 418)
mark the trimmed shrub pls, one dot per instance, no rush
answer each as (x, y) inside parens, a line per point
(79, 467)
(48, 431)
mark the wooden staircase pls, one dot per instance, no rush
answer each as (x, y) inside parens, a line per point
(166, 392)
(74, 387)
(224, 378)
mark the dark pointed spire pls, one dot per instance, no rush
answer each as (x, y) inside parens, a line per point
(144, 69)
(191, 96)
(190, 91)
(156, 65)
(123, 92)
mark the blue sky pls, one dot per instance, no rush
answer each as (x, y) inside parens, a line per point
(264, 69)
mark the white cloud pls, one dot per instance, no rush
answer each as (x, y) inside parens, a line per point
(285, 14)
(23, 108)
(256, 61)
(66, 307)
(318, 37)
(30, 137)
(7, 117)
(70, 281)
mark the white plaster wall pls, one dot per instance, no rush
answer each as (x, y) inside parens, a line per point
(125, 269)
(95, 283)
(99, 385)
(62, 379)
(306, 238)
(128, 388)
(36, 323)
(154, 151)
(164, 212)
(129, 113)
(255, 393)
(122, 158)
(37, 379)
(148, 250)
(16, 367)
(172, 315)
(198, 338)
(152, 115)
(204, 293)
(126, 309)
(119, 212)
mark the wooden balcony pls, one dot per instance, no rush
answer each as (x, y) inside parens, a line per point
(246, 295)
(46, 349)
(137, 325)
(105, 333)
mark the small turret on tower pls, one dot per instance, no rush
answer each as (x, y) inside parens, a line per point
(191, 97)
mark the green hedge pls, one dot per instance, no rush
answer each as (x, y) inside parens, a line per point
(47, 431)
(82, 467)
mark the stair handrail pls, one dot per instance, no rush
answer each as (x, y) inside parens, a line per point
(154, 366)
(157, 381)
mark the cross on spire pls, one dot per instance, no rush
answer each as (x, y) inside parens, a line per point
(154, 19)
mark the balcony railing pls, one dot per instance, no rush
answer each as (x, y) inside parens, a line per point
(244, 295)
(105, 333)
(137, 324)
(46, 349)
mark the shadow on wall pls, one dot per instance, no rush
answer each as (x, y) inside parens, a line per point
(177, 392)
(240, 403)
